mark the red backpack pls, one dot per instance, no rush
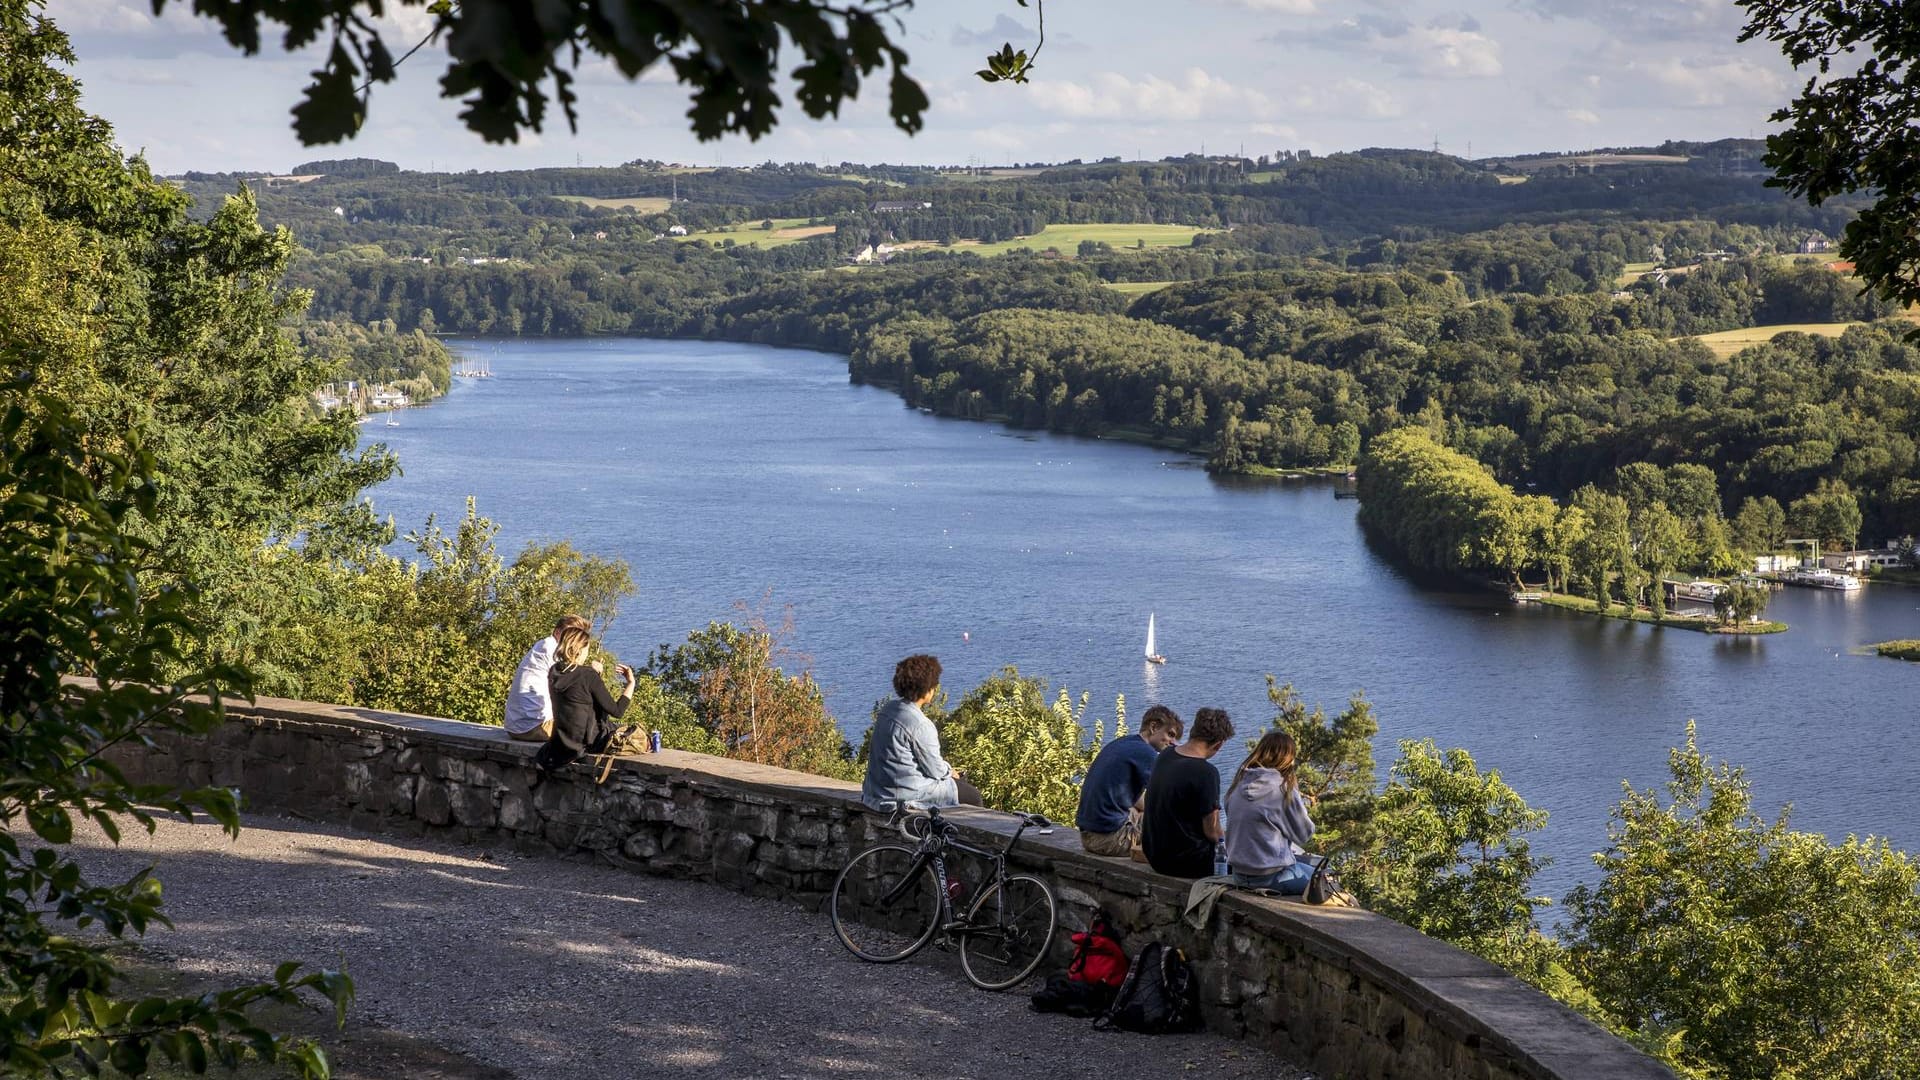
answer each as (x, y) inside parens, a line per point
(1098, 958)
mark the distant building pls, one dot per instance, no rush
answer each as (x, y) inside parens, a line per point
(1815, 244)
(897, 207)
(1775, 564)
(676, 230)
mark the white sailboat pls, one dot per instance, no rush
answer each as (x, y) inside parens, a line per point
(1152, 656)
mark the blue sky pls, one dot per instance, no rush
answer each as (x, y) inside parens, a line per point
(1127, 77)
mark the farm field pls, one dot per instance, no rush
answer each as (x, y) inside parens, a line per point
(1067, 238)
(644, 204)
(1633, 272)
(784, 231)
(1136, 288)
(1727, 342)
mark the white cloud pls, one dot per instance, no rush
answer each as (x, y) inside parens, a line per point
(1582, 116)
(1284, 7)
(1354, 98)
(1111, 96)
(1709, 82)
(1637, 20)
(1446, 47)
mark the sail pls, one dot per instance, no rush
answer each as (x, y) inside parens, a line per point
(1150, 651)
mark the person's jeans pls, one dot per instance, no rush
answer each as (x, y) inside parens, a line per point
(1288, 880)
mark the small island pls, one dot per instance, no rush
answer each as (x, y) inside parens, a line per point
(1706, 624)
(1908, 649)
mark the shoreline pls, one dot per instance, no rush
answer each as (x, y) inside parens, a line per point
(1705, 624)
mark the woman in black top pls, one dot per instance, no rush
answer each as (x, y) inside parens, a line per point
(583, 708)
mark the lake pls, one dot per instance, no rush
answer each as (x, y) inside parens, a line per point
(725, 473)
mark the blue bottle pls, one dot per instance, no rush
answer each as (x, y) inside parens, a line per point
(1220, 858)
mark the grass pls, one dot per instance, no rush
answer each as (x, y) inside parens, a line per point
(644, 204)
(1136, 288)
(1705, 624)
(1067, 238)
(1727, 342)
(1506, 181)
(1896, 575)
(785, 231)
(1900, 650)
(1633, 272)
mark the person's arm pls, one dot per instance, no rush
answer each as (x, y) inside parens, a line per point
(1211, 826)
(603, 698)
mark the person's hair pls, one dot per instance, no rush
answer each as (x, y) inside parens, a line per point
(915, 676)
(1275, 750)
(573, 643)
(575, 622)
(1159, 716)
(1211, 726)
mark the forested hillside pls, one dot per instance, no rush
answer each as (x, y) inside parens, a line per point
(1539, 320)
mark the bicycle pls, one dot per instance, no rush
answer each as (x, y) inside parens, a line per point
(890, 900)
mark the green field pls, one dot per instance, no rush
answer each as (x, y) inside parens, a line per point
(645, 204)
(1633, 272)
(1136, 288)
(784, 231)
(1727, 342)
(1067, 238)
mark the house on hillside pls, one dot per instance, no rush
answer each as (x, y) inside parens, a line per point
(1815, 244)
(899, 207)
(676, 230)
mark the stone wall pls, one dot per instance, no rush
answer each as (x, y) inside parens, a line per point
(1345, 992)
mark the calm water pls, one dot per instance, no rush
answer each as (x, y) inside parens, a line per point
(723, 471)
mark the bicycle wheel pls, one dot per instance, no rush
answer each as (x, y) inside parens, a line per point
(885, 904)
(1009, 930)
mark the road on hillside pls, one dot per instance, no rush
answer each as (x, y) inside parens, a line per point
(557, 969)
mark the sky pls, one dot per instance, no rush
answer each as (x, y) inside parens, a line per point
(1134, 78)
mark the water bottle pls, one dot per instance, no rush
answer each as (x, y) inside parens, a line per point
(653, 743)
(1220, 858)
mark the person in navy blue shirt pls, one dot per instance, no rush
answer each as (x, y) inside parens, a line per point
(1109, 817)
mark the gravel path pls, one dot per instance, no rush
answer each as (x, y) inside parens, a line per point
(557, 969)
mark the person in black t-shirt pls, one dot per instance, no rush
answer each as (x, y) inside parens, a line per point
(1182, 821)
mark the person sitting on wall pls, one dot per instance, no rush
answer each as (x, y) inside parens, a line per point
(1182, 819)
(1110, 797)
(583, 708)
(529, 715)
(904, 766)
(1268, 820)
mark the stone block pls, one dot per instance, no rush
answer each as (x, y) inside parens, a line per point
(432, 804)
(641, 845)
(444, 766)
(517, 813)
(809, 831)
(473, 807)
(408, 759)
(356, 777)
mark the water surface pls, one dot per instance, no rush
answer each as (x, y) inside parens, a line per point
(724, 471)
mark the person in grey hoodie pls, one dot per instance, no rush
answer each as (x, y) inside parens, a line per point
(1267, 819)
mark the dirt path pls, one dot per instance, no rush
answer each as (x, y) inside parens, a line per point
(556, 969)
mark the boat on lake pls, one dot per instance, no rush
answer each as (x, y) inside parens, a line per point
(1819, 577)
(1152, 656)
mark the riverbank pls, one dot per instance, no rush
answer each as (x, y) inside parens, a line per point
(1706, 624)
(1899, 650)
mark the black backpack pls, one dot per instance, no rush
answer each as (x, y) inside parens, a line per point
(1158, 996)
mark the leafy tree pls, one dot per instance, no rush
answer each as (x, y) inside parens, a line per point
(1023, 751)
(1761, 525)
(70, 606)
(1452, 859)
(1335, 764)
(1738, 948)
(1740, 602)
(501, 58)
(1855, 126)
(1830, 513)
(729, 680)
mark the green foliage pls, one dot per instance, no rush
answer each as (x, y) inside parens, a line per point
(1023, 751)
(1852, 128)
(377, 353)
(1741, 602)
(1829, 513)
(1335, 765)
(728, 58)
(1900, 650)
(1738, 948)
(723, 691)
(1452, 860)
(70, 606)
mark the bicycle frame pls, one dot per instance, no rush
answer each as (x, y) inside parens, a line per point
(933, 849)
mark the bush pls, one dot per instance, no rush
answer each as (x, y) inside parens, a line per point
(1022, 752)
